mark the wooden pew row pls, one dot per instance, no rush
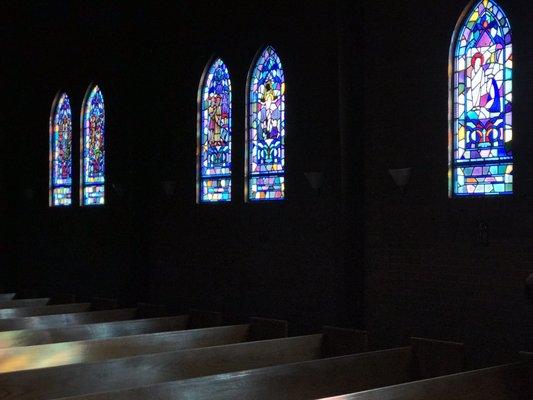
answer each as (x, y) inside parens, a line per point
(22, 312)
(24, 303)
(504, 382)
(7, 296)
(89, 331)
(55, 354)
(308, 379)
(71, 380)
(62, 320)
(107, 324)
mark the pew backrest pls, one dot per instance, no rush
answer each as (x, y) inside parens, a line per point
(144, 370)
(55, 354)
(301, 380)
(22, 312)
(99, 330)
(7, 296)
(62, 320)
(505, 382)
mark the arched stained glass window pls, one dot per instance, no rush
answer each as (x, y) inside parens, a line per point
(60, 152)
(265, 150)
(481, 126)
(92, 186)
(214, 134)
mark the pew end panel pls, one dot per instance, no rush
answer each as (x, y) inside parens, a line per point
(149, 310)
(434, 358)
(204, 319)
(343, 341)
(103, 303)
(265, 329)
(62, 298)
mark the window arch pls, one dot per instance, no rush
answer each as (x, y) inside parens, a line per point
(481, 130)
(92, 185)
(265, 147)
(60, 186)
(214, 134)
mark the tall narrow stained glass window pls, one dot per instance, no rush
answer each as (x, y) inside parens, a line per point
(481, 138)
(92, 187)
(265, 150)
(214, 134)
(60, 152)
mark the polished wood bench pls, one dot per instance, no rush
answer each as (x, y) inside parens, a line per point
(309, 379)
(24, 303)
(69, 380)
(22, 312)
(55, 354)
(7, 296)
(504, 382)
(88, 331)
(103, 324)
(62, 320)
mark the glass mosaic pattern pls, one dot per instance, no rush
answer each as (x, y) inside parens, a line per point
(482, 158)
(61, 153)
(266, 129)
(214, 170)
(93, 149)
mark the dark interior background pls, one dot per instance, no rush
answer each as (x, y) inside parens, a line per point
(367, 90)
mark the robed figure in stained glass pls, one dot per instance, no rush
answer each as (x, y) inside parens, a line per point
(61, 152)
(214, 134)
(482, 96)
(93, 149)
(266, 128)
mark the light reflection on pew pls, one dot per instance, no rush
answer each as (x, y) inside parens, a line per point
(148, 369)
(7, 296)
(55, 354)
(309, 379)
(62, 320)
(110, 323)
(22, 312)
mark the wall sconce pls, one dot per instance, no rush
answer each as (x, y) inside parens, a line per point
(401, 177)
(169, 187)
(315, 179)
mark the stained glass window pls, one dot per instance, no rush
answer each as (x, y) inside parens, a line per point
(214, 134)
(481, 138)
(92, 188)
(266, 128)
(61, 152)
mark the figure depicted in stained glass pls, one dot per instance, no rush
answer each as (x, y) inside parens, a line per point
(482, 96)
(61, 152)
(266, 133)
(93, 149)
(215, 134)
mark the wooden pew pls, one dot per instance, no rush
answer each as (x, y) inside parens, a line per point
(101, 330)
(305, 380)
(7, 296)
(62, 320)
(22, 312)
(70, 380)
(24, 303)
(55, 354)
(504, 382)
